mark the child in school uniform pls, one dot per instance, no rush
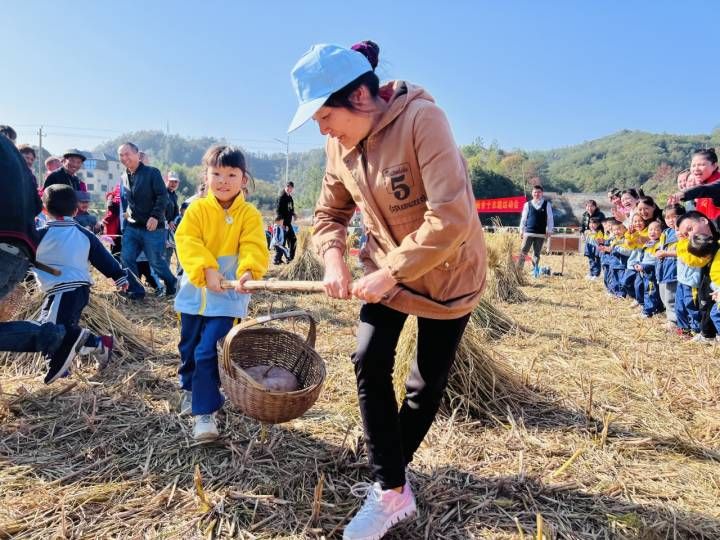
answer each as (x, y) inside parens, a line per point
(666, 266)
(68, 247)
(714, 277)
(594, 237)
(646, 268)
(220, 237)
(693, 255)
(277, 242)
(619, 253)
(635, 240)
(605, 256)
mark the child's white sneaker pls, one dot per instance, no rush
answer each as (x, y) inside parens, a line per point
(185, 403)
(205, 428)
(699, 338)
(382, 509)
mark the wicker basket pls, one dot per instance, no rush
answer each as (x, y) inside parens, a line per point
(249, 344)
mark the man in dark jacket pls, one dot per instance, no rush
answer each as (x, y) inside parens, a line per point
(72, 162)
(591, 211)
(147, 199)
(286, 212)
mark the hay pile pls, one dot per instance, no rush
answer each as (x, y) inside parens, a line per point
(480, 386)
(110, 458)
(305, 266)
(505, 278)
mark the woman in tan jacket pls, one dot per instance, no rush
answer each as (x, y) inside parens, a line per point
(390, 153)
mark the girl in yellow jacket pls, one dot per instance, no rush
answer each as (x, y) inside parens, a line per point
(220, 237)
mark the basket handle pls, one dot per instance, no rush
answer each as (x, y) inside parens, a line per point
(299, 314)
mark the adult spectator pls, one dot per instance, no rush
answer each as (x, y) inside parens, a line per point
(111, 222)
(705, 186)
(172, 211)
(52, 164)
(286, 212)
(147, 199)
(591, 211)
(28, 154)
(83, 217)
(9, 132)
(536, 224)
(72, 162)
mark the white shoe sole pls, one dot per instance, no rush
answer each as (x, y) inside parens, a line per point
(74, 350)
(204, 437)
(396, 518)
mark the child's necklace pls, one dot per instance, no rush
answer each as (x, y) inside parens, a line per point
(228, 217)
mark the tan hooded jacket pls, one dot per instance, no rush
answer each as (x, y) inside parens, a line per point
(411, 184)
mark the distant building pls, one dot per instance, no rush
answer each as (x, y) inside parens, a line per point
(101, 173)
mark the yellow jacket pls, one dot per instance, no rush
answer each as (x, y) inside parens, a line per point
(231, 241)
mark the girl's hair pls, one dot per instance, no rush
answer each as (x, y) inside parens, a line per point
(679, 209)
(632, 192)
(649, 201)
(656, 222)
(222, 155)
(707, 153)
(615, 192)
(341, 98)
(598, 222)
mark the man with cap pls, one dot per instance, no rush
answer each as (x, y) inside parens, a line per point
(83, 217)
(72, 162)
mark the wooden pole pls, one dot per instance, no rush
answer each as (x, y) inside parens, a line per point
(276, 286)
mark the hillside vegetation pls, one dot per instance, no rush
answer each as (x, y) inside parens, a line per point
(623, 159)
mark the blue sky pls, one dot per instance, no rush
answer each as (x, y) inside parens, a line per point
(532, 75)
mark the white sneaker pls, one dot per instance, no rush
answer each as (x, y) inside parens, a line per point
(186, 403)
(382, 509)
(699, 338)
(205, 428)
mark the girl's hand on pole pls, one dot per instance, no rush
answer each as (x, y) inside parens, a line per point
(337, 276)
(213, 279)
(239, 287)
(372, 288)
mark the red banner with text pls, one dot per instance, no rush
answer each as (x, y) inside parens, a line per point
(504, 205)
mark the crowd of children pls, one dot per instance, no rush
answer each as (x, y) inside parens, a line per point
(663, 261)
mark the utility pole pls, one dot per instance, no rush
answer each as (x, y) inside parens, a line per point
(286, 142)
(39, 170)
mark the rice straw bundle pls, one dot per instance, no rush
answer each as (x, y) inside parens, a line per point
(505, 276)
(493, 322)
(305, 266)
(479, 386)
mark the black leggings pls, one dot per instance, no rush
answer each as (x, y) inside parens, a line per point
(392, 437)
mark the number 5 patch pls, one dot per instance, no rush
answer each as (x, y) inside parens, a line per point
(398, 181)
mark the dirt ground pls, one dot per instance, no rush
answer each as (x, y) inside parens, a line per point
(622, 442)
